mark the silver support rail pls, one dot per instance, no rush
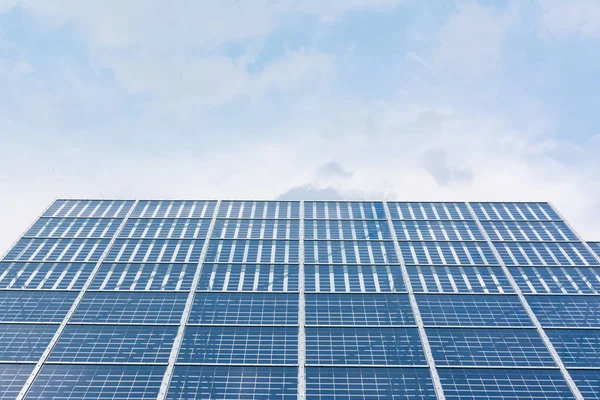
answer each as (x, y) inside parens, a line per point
(65, 321)
(437, 384)
(164, 386)
(301, 311)
(528, 309)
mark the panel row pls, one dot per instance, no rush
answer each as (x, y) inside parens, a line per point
(281, 308)
(89, 208)
(220, 382)
(284, 278)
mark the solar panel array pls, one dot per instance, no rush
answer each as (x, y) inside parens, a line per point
(111, 299)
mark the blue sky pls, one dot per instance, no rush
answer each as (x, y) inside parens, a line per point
(385, 99)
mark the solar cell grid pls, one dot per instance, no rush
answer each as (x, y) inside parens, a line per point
(358, 309)
(557, 280)
(488, 347)
(142, 308)
(364, 346)
(452, 279)
(35, 306)
(252, 251)
(49, 276)
(97, 382)
(353, 278)
(12, 378)
(249, 277)
(133, 276)
(74, 227)
(256, 229)
(472, 310)
(368, 383)
(240, 345)
(577, 347)
(245, 309)
(161, 228)
(566, 311)
(24, 342)
(114, 343)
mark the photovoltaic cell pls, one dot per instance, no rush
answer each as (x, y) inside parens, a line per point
(49, 276)
(171, 276)
(34, 249)
(472, 310)
(161, 228)
(566, 311)
(89, 208)
(256, 229)
(447, 253)
(515, 211)
(113, 343)
(75, 227)
(452, 279)
(97, 382)
(12, 378)
(224, 383)
(358, 309)
(364, 346)
(488, 347)
(240, 345)
(245, 308)
(349, 252)
(35, 306)
(501, 384)
(542, 254)
(588, 382)
(557, 280)
(576, 347)
(174, 209)
(155, 250)
(353, 278)
(437, 230)
(346, 229)
(343, 210)
(143, 308)
(252, 251)
(529, 231)
(24, 342)
(429, 211)
(249, 277)
(368, 383)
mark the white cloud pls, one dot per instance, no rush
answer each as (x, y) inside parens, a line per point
(471, 40)
(565, 17)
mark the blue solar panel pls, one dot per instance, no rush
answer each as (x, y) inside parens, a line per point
(259, 209)
(343, 210)
(364, 346)
(353, 278)
(253, 251)
(256, 229)
(429, 211)
(65, 250)
(488, 347)
(451, 279)
(472, 310)
(112, 343)
(24, 342)
(504, 384)
(249, 277)
(531, 230)
(358, 309)
(576, 347)
(245, 308)
(97, 382)
(12, 378)
(50, 276)
(447, 253)
(160, 228)
(223, 383)
(588, 382)
(346, 229)
(143, 308)
(554, 280)
(135, 276)
(89, 208)
(33, 306)
(566, 311)
(240, 345)
(174, 209)
(75, 227)
(437, 230)
(159, 250)
(547, 253)
(368, 383)
(350, 252)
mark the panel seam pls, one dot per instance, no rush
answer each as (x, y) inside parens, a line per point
(301, 310)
